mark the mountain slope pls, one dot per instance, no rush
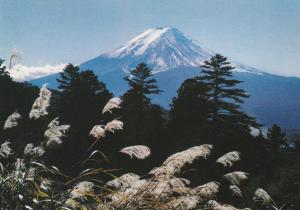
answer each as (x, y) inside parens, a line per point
(174, 57)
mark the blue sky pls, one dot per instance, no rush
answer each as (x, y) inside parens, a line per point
(260, 33)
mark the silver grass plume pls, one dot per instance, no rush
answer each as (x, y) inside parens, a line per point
(98, 132)
(114, 125)
(5, 150)
(229, 158)
(40, 105)
(165, 186)
(236, 191)
(113, 103)
(81, 189)
(32, 151)
(214, 205)
(12, 121)
(183, 203)
(138, 151)
(263, 198)
(124, 181)
(174, 163)
(207, 190)
(236, 177)
(55, 133)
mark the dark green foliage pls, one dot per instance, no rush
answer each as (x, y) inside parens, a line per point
(189, 113)
(277, 138)
(79, 102)
(224, 96)
(143, 121)
(14, 96)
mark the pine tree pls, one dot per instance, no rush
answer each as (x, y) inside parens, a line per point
(79, 103)
(143, 121)
(224, 96)
(277, 138)
(189, 113)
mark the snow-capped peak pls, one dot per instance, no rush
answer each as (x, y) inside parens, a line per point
(162, 49)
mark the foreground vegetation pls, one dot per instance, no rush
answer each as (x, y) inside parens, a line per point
(80, 147)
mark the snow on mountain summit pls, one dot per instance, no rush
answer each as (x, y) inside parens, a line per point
(160, 48)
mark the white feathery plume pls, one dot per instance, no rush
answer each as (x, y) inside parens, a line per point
(32, 151)
(207, 190)
(5, 149)
(97, 132)
(81, 189)
(214, 205)
(164, 186)
(113, 103)
(114, 125)
(40, 105)
(236, 177)
(263, 198)
(229, 158)
(183, 203)
(124, 181)
(55, 133)
(138, 151)
(174, 163)
(236, 191)
(12, 121)
(125, 186)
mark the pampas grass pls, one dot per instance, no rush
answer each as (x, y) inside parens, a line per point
(98, 132)
(229, 158)
(175, 163)
(138, 151)
(113, 103)
(12, 121)
(40, 105)
(55, 133)
(262, 198)
(5, 150)
(114, 125)
(236, 177)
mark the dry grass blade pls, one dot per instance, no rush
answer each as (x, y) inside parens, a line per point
(229, 158)
(138, 151)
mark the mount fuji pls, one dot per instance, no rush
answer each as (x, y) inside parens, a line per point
(174, 57)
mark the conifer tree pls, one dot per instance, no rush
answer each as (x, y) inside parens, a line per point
(189, 113)
(79, 102)
(224, 96)
(143, 121)
(277, 138)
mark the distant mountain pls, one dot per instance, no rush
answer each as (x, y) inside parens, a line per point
(174, 57)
